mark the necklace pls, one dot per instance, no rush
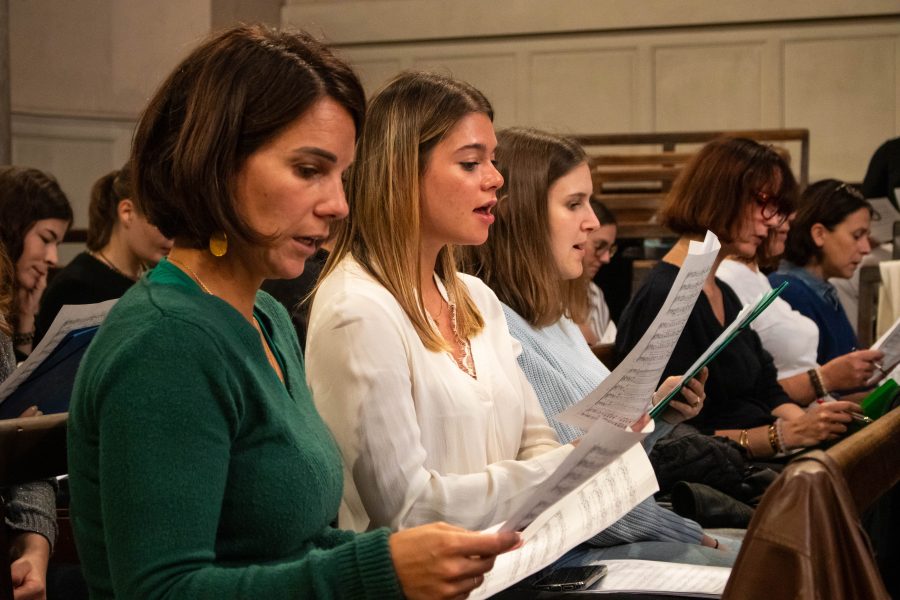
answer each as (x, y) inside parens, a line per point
(465, 362)
(115, 269)
(192, 273)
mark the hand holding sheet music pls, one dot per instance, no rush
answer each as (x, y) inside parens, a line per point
(625, 394)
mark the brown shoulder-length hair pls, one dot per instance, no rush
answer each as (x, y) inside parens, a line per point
(232, 95)
(715, 186)
(517, 260)
(405, 120)
(103, 210)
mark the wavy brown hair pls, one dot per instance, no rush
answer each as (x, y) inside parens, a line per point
(715, 186)
(517, 261)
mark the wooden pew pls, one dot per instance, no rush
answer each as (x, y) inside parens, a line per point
(632, 172)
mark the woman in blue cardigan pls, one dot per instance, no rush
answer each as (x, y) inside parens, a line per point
(828, 238)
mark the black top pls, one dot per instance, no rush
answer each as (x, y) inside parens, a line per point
(291, 292)
(883, 174)
(742, 388)
(85, 280)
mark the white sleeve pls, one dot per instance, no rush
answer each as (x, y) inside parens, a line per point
(358, 368)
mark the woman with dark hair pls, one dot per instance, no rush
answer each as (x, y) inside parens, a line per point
(121, 245)
(598, 327)
(828, 238)
(34, 217)
(199, 467)
(30, 508)
(739, 190)
(790, 337)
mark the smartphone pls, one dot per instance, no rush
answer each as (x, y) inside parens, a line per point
(568, 579)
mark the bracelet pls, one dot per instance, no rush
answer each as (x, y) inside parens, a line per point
(779, 433)
(773, 439)
(815, 378)
(716, 547)
(744, 442)
(23, 339)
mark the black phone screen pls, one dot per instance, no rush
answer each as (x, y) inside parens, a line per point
(568, 579)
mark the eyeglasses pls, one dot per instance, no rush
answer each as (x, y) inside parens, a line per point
(603, 248)
(770, 206)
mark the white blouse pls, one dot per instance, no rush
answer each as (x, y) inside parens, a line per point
(791, 338)
(599, 319)
(421, 440)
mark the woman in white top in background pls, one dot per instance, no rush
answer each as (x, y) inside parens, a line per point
(790, 337)
(598, 327)
(410, 363)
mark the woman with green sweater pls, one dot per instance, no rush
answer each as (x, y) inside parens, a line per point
(199, 467)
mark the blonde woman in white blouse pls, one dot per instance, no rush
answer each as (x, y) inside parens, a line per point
(411, 363)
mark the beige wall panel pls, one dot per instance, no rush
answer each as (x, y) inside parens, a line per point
(597, 88)
(714, 86)
(844, 90)
(374, 73)
(493, 74)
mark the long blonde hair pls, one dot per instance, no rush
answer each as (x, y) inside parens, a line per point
(405, 120)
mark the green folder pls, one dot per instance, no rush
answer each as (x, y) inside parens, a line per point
(879, 401)
(719, 344)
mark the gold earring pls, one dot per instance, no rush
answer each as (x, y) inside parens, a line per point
(218, 244)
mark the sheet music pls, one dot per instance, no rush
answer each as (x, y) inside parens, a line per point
(625, 394)
(889, 343)
(883, 229)
(589, 509)
(71, 317)
(602, 445)
(670, 578)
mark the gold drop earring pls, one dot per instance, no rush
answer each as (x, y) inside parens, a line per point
(218, 244)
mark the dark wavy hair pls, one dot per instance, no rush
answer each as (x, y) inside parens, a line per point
(827, 202)
(233, 94)
(27, 196)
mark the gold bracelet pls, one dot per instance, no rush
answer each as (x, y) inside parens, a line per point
(744, 442)
(773, 439)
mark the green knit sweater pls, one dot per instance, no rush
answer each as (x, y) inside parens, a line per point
(195, 473)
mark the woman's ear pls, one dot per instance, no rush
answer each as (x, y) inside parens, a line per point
(126, 211)
(817, 233)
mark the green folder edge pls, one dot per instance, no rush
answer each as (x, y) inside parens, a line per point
(761, 306)
(877, 402)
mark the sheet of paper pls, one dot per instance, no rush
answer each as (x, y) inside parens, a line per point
(70, 318)
(889, 343)
(625, 394)
(670, 578)
(883, 229)
(589, 509)
(602, 445)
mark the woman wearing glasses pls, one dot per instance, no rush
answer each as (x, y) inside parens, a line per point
(739, 190)
(791, 337)
(598, 326)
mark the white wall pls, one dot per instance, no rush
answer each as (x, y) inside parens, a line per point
(617, 66)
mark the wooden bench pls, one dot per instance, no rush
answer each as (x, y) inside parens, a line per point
(632, 172)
